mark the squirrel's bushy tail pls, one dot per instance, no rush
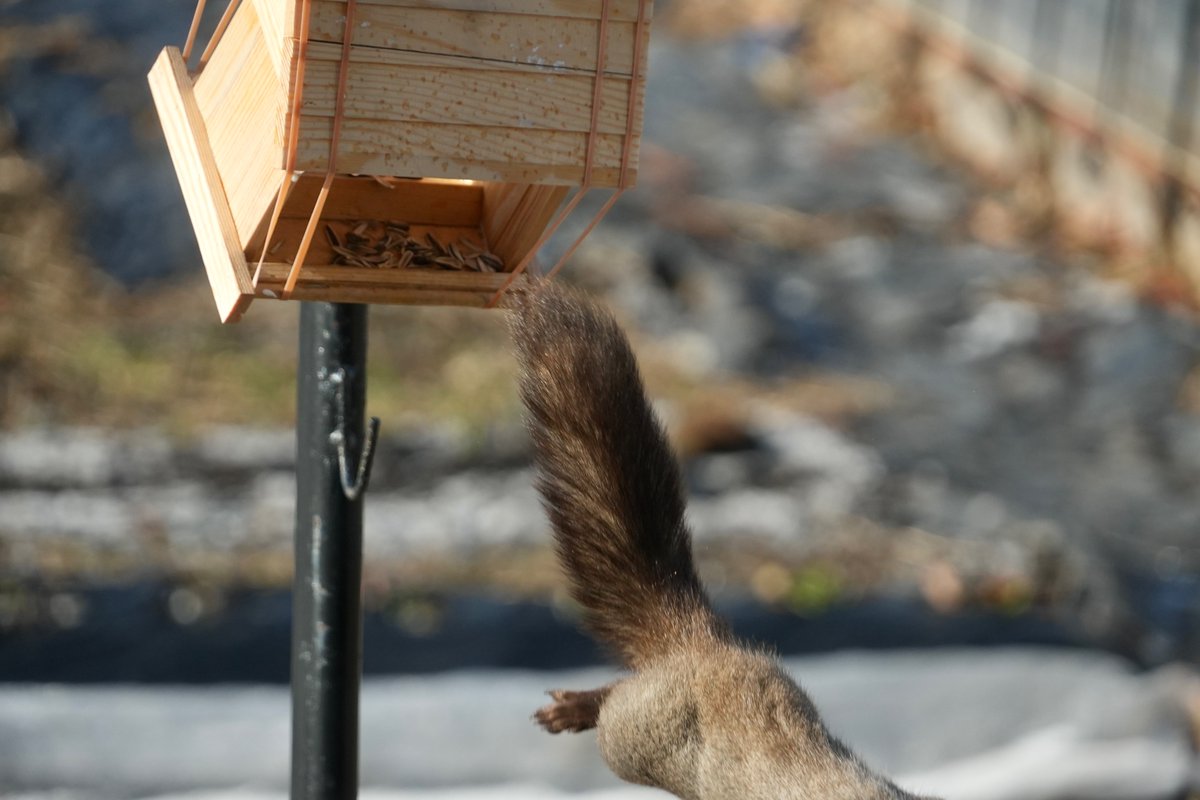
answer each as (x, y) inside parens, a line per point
(608, 478)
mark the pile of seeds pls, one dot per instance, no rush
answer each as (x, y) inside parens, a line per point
(390, 245)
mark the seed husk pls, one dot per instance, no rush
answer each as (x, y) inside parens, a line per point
(391, 245)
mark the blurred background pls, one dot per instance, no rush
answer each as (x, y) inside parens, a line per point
(913, 284)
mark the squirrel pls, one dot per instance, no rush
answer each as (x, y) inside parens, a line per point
(700, 715)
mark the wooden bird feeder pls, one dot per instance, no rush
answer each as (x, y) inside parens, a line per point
(319, 141)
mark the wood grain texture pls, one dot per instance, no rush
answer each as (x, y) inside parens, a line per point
(418, 202)
(559, 42)
(184, 129)
(500, 203)
(326, 51)
(276, 272)
(516, 215)
(241, 100)
(619, 10)
(544, 202)
(455, 90)
(275, 16)
(403, 287)
(516, 155)
(287, 237)
(464, 89)
(495, 91)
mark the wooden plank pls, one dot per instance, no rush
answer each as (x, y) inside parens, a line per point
(275, 273)
(500, 201)
(389, 296)
(402, 287)
(619, 10)
(465, 91)
(418, 202)
(561, 42)
(516, 215)
(326, 51)
(286, 240)
(521, 211)
(275, 18)
(241, 99)
(522, 238)
(200, 181)
(513, 155)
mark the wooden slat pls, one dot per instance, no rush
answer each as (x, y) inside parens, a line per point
(499, 202)
(562, 42)
(286, 240)
(415, 202)
(273, 16)
(523, 209)
(327, 51)
(241, 98)
(361, 277)
(196, 168)
(462, 152)
(390, 295)
(454, 90)
(423, 203)
(406, 287)
(619, 10)
(519, 239)
(516, 215)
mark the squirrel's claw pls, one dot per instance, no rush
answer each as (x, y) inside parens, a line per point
(571, 711)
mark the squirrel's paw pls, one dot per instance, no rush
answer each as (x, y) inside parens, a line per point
(571, 711)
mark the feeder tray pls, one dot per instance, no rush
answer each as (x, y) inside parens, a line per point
(470, 120)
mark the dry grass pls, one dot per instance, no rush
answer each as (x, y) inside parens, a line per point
(76, 349)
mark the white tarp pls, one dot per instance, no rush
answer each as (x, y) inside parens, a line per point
(966, 724)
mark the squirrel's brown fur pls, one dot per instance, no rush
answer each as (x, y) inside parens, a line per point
(701, 716)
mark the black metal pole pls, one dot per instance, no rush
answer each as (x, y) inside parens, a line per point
(326, 616)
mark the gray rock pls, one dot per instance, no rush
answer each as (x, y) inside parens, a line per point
(241, 447)
(82, 457)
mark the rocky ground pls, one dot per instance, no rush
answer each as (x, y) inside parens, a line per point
(872, 397)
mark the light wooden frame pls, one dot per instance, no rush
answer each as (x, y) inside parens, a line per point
(226, 128)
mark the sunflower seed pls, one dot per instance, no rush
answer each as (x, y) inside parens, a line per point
(391, 245)
(435, 244)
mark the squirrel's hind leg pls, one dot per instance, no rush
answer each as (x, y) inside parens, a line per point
(572, 711)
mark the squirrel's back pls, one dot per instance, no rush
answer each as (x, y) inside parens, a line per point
(608, 478)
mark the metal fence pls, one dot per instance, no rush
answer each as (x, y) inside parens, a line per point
(1134, 61)
(1117, 84)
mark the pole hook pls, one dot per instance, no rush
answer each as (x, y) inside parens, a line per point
(352, 485)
